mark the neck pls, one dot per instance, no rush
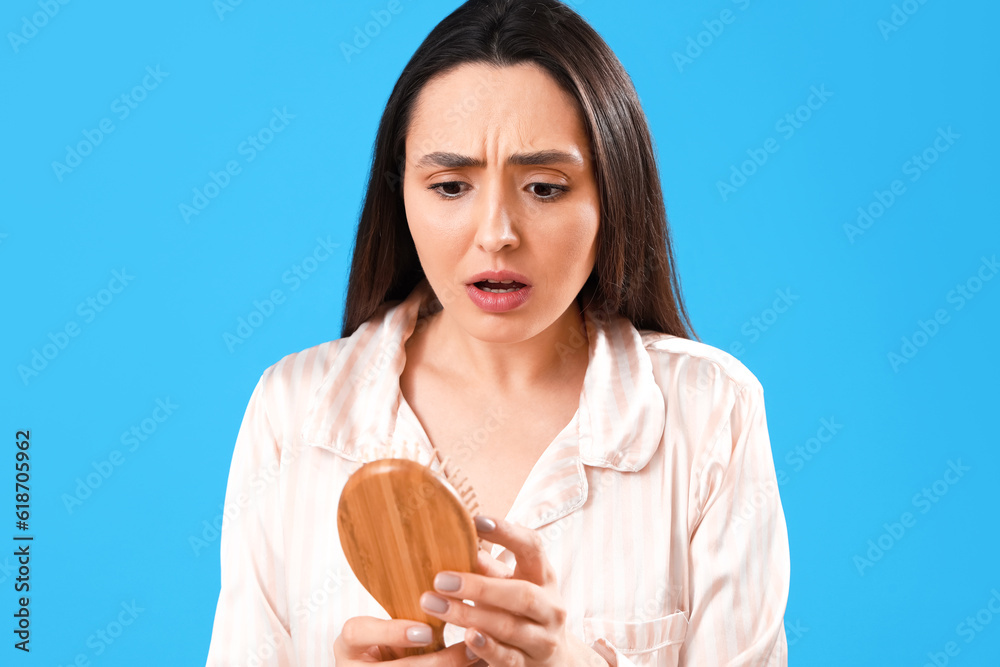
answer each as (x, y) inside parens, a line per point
(550, 358)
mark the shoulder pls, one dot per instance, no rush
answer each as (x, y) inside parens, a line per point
(708, 393)
(301, 369)
(298, 375)
(682, 363)
(286, 387)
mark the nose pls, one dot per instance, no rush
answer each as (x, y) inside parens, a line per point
(495, 228)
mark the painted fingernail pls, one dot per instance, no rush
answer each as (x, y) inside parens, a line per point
(469, 655)
(419, 634)
(447, 582)
(478, 640)
(485, 524)
(434, 603)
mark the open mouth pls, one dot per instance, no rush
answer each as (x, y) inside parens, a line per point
(499, 287)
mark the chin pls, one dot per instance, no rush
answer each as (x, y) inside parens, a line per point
(497, 327)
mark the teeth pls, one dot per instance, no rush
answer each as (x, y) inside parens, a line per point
(499, 291)
(505, 282)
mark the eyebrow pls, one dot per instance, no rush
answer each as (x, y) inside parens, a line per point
(538, 158)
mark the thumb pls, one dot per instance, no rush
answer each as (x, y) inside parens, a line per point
(491, 567)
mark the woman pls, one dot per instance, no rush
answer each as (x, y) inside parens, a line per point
(513, 306)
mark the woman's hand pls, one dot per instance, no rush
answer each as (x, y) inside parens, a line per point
(519, 617)
(366, 639)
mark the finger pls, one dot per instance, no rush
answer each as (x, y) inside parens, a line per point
(452, 656)
(360, 633)
(505, 627)
(484, 544)
(512, 596)
(524, 543)
(491, 651)
(491, 567)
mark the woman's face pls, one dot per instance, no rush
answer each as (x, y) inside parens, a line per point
(471, 208)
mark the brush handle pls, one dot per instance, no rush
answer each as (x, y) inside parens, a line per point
(400, 523)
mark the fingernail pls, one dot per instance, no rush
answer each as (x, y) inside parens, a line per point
(432, 602)
(478, 640)
(419, 634)
(469, 655)
(484, 524)
(447, 582)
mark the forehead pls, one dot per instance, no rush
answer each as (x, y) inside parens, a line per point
(475, 105)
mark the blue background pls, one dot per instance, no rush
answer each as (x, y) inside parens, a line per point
(854, 298)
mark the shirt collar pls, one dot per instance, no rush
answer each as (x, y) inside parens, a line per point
(353, 411)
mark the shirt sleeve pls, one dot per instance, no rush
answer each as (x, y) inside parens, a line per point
(738, 552)
(251, 618)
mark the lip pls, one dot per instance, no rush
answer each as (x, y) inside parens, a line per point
(499, 275)
(498, 303)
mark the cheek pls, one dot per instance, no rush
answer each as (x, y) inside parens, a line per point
(432, 236)
(577, 237)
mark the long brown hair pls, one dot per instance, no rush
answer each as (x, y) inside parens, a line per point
(634, 273)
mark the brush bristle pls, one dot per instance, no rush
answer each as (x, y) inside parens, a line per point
(460, 483)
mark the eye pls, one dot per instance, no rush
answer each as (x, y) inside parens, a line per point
(550, 191)
(556, 190)
(446, 184)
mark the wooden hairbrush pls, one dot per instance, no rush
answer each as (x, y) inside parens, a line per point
(401, 523)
